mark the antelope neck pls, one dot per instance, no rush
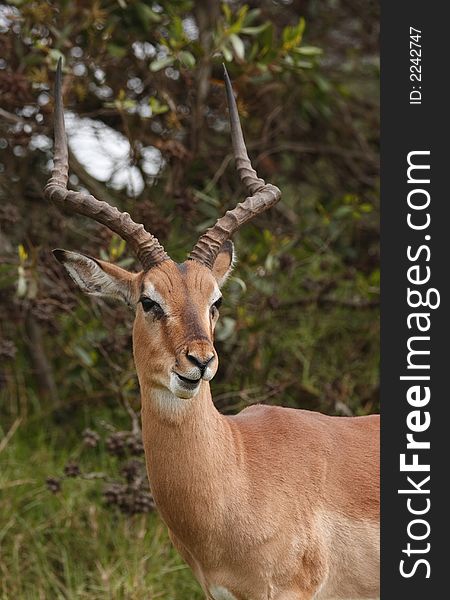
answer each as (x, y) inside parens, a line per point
(187, 430)
(184, 434)
(189, 460)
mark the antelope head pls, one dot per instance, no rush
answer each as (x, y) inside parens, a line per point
(177, 305)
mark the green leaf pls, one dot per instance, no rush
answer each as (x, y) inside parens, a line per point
(322, 83)
(146, 15)
(257, 29)
(228, 56)
(308, 50)
(117, 247)
(157, 107)
(86, 358)
(239, 23)
(187, 58)
(252, 15)
(343, 211)
(292, 36)
(238, 46)
(208, 199)
(177, 27)
(161, 63)
(55, 55)
(303, 64)
(116, 51)
(226, 11)
(266, 38)
(23, 254)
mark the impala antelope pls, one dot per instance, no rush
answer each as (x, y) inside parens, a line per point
(273, 503)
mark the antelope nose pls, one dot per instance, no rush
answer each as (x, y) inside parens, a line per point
(202, 362)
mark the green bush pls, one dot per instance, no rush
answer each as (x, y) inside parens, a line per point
(299, 324)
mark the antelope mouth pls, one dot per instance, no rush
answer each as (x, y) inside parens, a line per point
(189, 383)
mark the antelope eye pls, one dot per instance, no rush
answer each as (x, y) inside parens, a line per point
(150, 305)
(217, 303)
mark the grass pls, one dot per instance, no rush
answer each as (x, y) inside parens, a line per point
(69, 545)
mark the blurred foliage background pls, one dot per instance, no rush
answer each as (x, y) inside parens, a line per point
(148, 132)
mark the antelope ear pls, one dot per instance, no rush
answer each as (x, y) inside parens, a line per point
(224, 263)
(97, 277)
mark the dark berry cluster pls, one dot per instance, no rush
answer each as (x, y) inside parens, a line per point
(130, 491)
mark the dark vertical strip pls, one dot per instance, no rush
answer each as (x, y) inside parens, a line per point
(420, 540)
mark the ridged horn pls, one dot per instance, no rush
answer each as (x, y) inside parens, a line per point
(146, 247)
(263, 195)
